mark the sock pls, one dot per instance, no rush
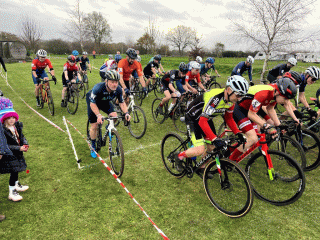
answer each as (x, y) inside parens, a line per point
(235, 155)
(160, 105)
(93, 144)
(182, 155)
(11, 188)
(16, 183)
(170, 107)
(38, 99)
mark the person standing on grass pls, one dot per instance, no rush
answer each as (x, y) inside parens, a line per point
(17, 143)
(94, 54)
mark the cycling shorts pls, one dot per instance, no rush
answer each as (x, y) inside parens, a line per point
(105, 106)
(40, 75)
(180, 86)
(70, 76)
(165, 85)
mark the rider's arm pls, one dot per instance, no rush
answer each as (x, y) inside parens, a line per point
(120, 70)
(250, 73)
(95, 109)
(199, 82)
(217, 72)
(302, 98)
(273, 114)
(228, 118)
(290, 108)
(253, 116)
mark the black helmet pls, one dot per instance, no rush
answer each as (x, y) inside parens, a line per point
(157, 57)
(112, 75)
(71, 58)
(294, 76)
(131, 53)
(287, 88)
(183, 67)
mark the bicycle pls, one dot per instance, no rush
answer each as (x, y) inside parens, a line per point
(71, 98)
(115, 147)
(46, 95)
(212, 83)
(226, 184)
(81, 88)
(157, 87)
(136, 91)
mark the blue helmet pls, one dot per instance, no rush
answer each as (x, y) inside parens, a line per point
(117, 57)
(210, 60)
(75, 53)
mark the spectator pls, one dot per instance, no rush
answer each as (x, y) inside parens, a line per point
(94, 54)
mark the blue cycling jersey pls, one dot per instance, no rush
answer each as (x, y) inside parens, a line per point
(204, 70)
(99, 94)
(241, 68)
(303, 84)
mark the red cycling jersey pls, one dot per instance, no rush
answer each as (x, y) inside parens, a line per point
(125, 69)
(37, 65)
(69, 68)
(190, 76)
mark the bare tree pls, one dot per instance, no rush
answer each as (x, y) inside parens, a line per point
(145, 43)
(274, 24)
(153, 32)
(31, 33)
(75, 27)
(196, 47)
(97, 28)
(181, 37)
(219, 49)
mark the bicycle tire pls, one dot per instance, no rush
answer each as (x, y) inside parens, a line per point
(41, 98)
(159, 118)
(294, 149)
(86, 81)
(179, 123)
(138, 123)
(285, 188)
(138, 94)
(158, 89)
(72, 101)
(214, 85)
(170, 144)
(50, 102)
(116, 153)
(82, 90)
(232, 194)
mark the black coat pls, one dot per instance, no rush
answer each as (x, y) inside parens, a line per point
(15, 163)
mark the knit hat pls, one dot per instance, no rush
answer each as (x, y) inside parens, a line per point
(6, 110)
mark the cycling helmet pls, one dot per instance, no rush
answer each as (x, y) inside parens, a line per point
(292, 61)
(238, 84)
(138, 58)
(250, 59)
(294, 76)
(117, 57)
(131, 53)
(41, 53)
(84, 53)
(183, 67)
(71, 58)
(110, 56)
(287, 88)
(199, 59)
(112, 75)
(194, 65)
(210, 60)
(157, 57)
(313, 71)
(75, 53)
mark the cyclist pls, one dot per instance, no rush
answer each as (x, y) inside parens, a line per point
(125, 68)
(249, 109)
(107, 66)
(168, 87)
(150, 71)
(70, 75)
(110, 58)
(100, 99)
(160, 69)
(200, 114)
(194, 74)
(244, 66)
(117, 58)
(199, 59)
(280, 69)
(38, 66)
(83, 63)
(134, 74)
(205, 68)
(75, 53)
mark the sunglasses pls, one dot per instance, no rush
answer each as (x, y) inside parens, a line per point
(313, 79)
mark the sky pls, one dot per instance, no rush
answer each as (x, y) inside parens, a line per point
(129, 19)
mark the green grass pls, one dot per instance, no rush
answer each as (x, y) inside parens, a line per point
(66, 203)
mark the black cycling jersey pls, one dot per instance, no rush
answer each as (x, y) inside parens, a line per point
(147, 69)
(172, 76)
(279, 70)
(83, 62)
(99, 94)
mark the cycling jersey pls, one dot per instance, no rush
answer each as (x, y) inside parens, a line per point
(39, 66)
(170, 77)
(72, 72)
(204, 70)
(241, 68)
(83, 62)
(147, 69)
(191, 77)
(125, 69)
(279, 70)
(108, 65)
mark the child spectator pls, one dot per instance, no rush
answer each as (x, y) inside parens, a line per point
(17, 144)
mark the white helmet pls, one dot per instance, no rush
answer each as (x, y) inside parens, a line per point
(138, 58)
(292, 61)
(313, 71)
(195, 65)
(41, 53)
(199, 59)
(84, 53)
(238, 84)
(250, 59)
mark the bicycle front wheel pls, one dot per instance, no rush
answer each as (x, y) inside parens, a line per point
(158, 89)
(72, 101)
(41, 98)
(116, 153)
(179, 118)
(86, 81)
(82, 89)
(214, 85)
(156, 114)
(311, 146)
(230, 191)
(281, 186)
(171, 144)
(50, 102)
(138, 123)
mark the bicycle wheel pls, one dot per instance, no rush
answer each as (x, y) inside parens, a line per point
(50, 102)
(179, 118)
(82, 90)
(288, 181)
(41, 98)
(116, 153)
(214, 85)
(72, 101)
(231, 192)
(158, 89)
(138, 94)
(291, 147)
(138, 123)
(170, 144)
(86, 81)
(157, 116)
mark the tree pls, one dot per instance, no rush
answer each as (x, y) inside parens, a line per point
(273, 24)
(153, 31)
(196, 48)
(181, 37)
(218, 49)
(31, 33)
(97, 28)
(57, 46)
(145, 44)
(5, 36)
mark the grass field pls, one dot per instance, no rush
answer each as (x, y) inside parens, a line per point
(66, 203)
